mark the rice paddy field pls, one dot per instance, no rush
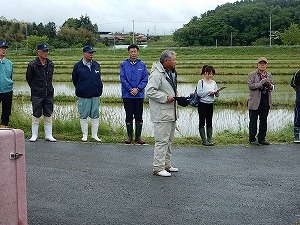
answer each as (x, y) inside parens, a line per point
(232, 65)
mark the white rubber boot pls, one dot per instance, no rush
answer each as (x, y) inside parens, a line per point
(48, 133)
(34, 131)
(85, 129)
(95, 126)
(48, 129)
(34, 128)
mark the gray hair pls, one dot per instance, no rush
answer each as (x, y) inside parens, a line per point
(165, 55)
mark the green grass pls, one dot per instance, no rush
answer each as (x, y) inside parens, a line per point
(70, 130)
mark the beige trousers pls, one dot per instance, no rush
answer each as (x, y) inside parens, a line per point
(163, 134)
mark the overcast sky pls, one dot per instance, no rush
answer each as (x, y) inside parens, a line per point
(154, 17)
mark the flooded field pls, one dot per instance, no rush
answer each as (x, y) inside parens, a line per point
(230, 119)
(233, 91)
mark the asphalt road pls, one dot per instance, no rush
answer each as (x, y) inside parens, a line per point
(89, 183)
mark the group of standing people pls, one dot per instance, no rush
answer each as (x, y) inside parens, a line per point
(160, 87)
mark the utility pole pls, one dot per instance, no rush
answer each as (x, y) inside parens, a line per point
(132, 31)
(26, 34)
(270, 30)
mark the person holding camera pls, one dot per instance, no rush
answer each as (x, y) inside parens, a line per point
(260, 100)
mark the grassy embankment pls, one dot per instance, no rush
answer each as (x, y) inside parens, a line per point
(232, 65)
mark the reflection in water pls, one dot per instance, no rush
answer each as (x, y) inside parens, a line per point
(67, 88)
(224, 119)
(109, 89)
(114, 90)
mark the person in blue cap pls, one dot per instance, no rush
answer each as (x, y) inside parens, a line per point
(39, 77)
(6, 85)
(86, 77)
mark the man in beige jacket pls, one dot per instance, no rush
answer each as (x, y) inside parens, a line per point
(161, 90)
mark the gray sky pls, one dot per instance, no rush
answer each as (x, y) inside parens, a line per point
(154, 17)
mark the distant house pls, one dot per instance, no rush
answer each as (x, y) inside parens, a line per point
(142, 39)
(108, 38)
(105, 36)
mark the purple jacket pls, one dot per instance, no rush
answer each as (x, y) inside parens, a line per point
(133, 76)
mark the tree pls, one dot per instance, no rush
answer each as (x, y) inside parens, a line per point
(34, 40)
(87, 24)
(246, 21)
(291, 36)
(74, 37)
(50, 30)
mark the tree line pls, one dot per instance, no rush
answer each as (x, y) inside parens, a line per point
(244, 23)
(73, 33)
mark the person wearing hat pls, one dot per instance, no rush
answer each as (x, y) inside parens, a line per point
(6, 85)
(134, 78)
(295, 83)
(260, 85)
(86, 77)
(39, 78)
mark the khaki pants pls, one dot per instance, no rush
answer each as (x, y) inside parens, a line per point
(163, 134)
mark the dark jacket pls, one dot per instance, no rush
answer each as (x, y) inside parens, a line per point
(295, 83)
(39, 78)
(87, 82)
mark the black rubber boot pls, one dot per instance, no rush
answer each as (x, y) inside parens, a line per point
(209, 135)
(138, 131)
(203, 137)
(129, 127)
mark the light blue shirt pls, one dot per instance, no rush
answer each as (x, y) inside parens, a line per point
(6, 72)
(86, 63)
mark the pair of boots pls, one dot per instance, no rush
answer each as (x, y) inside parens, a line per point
(296, 134)
(138, 131)
(206, 138)
(47, 129)
(85, 129)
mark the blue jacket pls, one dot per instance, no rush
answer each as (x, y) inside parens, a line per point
(133, 76)
(87, 82)
(6, 72)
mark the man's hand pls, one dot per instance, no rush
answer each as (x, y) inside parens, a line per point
(170, 99)
(134, 91)
(268, 85)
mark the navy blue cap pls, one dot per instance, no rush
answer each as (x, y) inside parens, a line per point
(3, 44)
(42, 47)
(88, 48)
